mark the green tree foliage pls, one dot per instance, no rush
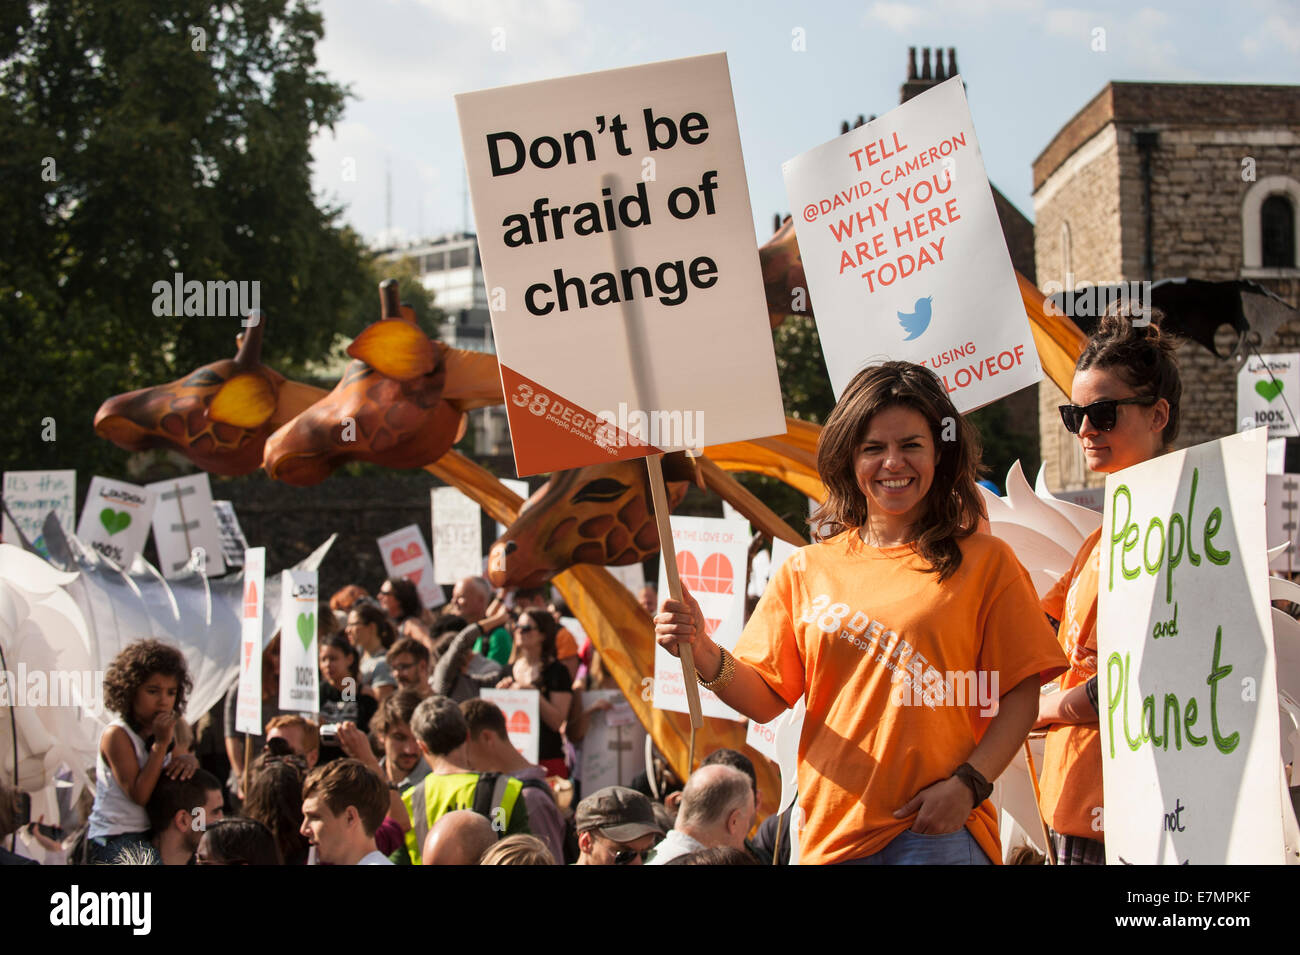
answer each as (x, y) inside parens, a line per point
(146, 138)
(807, 394)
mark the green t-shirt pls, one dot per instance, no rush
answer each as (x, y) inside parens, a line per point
(500, 643)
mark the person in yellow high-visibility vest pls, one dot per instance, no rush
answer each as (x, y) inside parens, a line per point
(441, 733)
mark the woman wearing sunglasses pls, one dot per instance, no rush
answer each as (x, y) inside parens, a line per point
(533, 666)
(915, 639)
(1125, 395)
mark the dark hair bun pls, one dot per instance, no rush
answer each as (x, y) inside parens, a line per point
(1133, 344)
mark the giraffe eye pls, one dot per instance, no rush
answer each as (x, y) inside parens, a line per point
(601, 490)
(204, 376)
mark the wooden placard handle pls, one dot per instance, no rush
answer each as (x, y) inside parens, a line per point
(659, 495)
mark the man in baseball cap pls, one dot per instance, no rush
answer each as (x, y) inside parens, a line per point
(616, 826)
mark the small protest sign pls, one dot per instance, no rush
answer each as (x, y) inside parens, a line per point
(233, 542)
(248, 711)
(612, 748)
(115, 519)
(1268, 394)
(1186, 665)
(185, 526)
(523, 718)
(405, 555)
(904, 253)
(615, 230)
(31, 495)
(1282, 502)
(711, 558)
(299, 671)
(457, 535)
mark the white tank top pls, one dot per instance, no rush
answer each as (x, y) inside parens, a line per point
(115, 812)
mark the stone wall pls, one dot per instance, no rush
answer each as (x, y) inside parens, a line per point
(1090, 177)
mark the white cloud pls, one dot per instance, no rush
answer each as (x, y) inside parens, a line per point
(899, 17)
(1068, 22)
(1274, 30)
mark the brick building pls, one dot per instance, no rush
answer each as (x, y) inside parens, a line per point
(1162, 180)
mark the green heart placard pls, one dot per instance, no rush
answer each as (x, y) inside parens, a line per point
(114, 521)
(306, 629)
(1268, 390)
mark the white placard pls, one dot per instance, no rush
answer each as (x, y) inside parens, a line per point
(523, 718)
(405, 555)
(711, 555)
(1283, 522)
(612, 748)
(115, 519)
(248, 712)
(904, 252)
(457, 535)
(233, 541)
(31, 495)
(520, 488)
(1268, 394)
(299, 668)
(183, 523)
(614, 225)
(1187, 674)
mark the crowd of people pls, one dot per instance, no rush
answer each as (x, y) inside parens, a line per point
(404, 763)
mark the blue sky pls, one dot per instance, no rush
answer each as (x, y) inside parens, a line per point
(1029, 65)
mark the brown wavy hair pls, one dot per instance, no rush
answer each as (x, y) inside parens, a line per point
(132, 667)
(953, 506)
(1142, 355)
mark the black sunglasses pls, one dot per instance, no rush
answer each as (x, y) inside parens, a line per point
(1102, 414)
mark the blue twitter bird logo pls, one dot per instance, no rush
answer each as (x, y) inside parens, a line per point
(918, 320)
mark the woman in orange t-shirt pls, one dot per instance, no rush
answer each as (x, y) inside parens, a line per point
(915, 640)
(1126, 391)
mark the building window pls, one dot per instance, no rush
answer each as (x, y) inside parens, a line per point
(458, 258)
(1268, 227)
(1277, 233)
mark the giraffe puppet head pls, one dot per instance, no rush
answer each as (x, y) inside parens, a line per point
(218, 416)
(784, 282)
(388, 407)
(600, 514)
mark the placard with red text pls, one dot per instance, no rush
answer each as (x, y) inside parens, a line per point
(904, 253)
(712, 555)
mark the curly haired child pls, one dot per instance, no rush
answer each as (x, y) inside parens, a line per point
(146, 685)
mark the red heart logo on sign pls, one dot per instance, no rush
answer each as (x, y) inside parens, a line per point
(250, 601)
(399, 556)
(518, 722)
(715, 576)
(414, 576)
(711, 625)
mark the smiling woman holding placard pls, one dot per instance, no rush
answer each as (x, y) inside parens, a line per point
(915, 639)
(1126, 391)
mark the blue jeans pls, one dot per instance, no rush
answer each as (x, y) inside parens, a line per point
(911, 848)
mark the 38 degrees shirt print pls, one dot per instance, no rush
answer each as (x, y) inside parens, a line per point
(868, 637)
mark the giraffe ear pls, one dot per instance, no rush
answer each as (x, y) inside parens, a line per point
(396, 349)
(245, 401)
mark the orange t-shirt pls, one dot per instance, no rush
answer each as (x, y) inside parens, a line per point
(860, 631)
(1071, 779)
(566, 644)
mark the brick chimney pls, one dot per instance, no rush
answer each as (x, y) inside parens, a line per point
(922, 81)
